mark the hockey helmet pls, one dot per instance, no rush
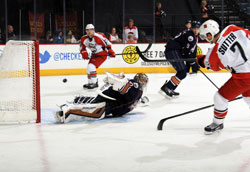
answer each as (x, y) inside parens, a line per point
(195, 24)
(209, 27)
(188, 21)
(90, 26)
(141, 79)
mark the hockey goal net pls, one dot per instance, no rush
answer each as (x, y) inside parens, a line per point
(20, 82)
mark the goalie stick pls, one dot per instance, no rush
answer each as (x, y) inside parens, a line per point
(163, 60)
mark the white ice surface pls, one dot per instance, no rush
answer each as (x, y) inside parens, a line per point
(131, 143)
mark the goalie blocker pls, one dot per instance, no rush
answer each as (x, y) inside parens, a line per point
(117, 97)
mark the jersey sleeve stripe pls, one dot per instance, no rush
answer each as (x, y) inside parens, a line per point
(125, 88)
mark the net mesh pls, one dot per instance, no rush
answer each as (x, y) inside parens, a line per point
(18, 82)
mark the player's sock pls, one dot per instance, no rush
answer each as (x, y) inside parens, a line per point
(92, 81)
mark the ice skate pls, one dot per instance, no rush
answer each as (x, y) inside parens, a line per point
(210, 129)
(167, 91)
(90, 85)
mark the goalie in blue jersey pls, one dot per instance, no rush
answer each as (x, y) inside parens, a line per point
(117, 97)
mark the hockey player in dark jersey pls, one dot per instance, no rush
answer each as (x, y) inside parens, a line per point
(118, 96)
(182, 46)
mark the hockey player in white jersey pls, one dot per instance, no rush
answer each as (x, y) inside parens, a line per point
(117, 97)
(231, 52)
(94, 47)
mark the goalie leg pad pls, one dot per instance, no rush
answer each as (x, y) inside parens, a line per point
(93, 110)
(220, 108)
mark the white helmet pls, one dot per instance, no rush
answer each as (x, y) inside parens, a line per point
(90, 26)
(210, 26)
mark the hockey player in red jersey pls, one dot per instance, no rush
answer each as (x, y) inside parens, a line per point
(231, 52)
(94, 47)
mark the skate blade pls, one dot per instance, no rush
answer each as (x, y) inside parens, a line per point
(213, 132)
(165, 95)
(91, 90)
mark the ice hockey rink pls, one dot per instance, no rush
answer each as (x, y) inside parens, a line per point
(131, 143)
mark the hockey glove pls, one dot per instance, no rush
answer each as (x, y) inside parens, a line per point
(200, 60)
(195, 66)
(111, 52)
(85, 55)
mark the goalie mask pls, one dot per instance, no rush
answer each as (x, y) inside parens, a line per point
(141, 79)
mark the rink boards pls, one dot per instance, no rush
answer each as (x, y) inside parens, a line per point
(65, 59)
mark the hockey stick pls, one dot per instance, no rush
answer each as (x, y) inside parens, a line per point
(160, 124)
(209, 79)
(163, 60)
(121, 54)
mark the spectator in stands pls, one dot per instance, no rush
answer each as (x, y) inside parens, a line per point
(70, 37)
(131, 39)
(159, 14)
(188, 24)
(11, 35)
(130, 29)
(58, 39)
(113, 37)
(208, 13)
(203, 5)
(49, 38)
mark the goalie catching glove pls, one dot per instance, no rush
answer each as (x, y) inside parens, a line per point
(117, 81)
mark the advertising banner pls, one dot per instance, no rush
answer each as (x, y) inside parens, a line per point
(71, 22)
(39, 25)
(65, 59)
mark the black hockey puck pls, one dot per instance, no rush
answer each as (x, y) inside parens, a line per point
(64, 80)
